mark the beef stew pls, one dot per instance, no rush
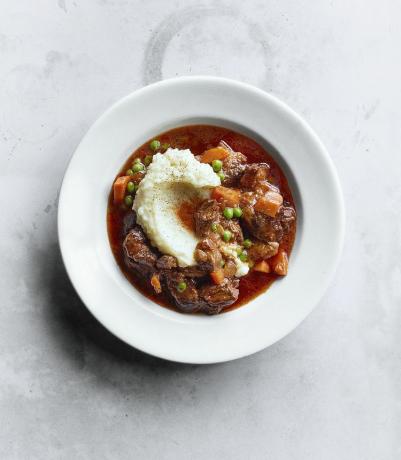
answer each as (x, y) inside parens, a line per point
(246, 222)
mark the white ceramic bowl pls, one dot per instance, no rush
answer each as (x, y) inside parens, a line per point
(83, 234)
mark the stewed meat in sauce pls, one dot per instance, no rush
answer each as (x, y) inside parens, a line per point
(243, 228)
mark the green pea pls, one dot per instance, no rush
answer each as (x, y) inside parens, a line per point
(237, 212)
(147, 160)
(217, 165)
(154, 145)
(165, 146)
(243, 257)
(131, 187)
(137, 160)
(129, 172)
(247, 243)
(221, 176)
(128, 200)
(227, 235)
(222, 263)
(181, 286)
(228, 213)
(238, 251)
(214, 227)
(138, 167)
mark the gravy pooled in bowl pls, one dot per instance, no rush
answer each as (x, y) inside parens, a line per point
(201, 219)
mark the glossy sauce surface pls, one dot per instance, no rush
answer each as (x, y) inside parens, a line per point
(199, 138)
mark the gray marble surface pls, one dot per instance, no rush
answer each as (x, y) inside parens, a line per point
(69, 389)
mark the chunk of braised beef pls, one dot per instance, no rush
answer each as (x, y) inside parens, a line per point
(287, 216)
(218, 297)
(266, 228)
(194, 271)
(166, 262)
(233, 167)
(260, 250)
(129, 221)
(235, 228)
(211, 212)
(207, 244)
(254, 174)
(230, 268)
(263, 227)
(255, 179)
(207, 254)
(137, 251)
(187, 300)
(208, 213)
(200, 256)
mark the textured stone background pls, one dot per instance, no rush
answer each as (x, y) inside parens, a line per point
(68, 389)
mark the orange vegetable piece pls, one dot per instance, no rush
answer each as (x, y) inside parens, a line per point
(216, 153)
(155, 282)
(279, 263)
(119, 187)
(229, 195)
(269, 204)
(262, 267)
(217, 276)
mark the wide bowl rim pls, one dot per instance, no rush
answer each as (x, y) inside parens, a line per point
(234, 86)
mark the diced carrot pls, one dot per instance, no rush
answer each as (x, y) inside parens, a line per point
(217, 276)
(269, 204)
(155, 282)
(216, 153)
(229, 195)
(262, 267)
(119, 188)
(279, 263)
